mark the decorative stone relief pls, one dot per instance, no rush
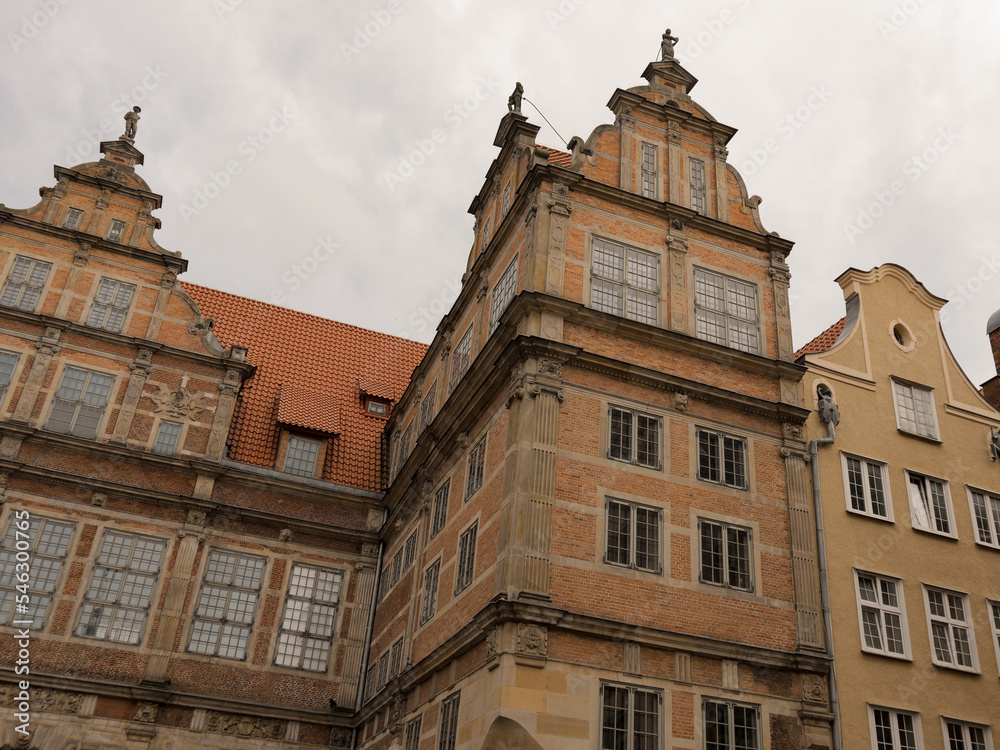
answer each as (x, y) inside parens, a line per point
(178, 403)
(145, 712)
(559, 213)
(375, 518)
(4, 476)
(10, 445)
(369, 550)
(625, 118)
(340, 738)
(814, 688)
(285, 535)
(549, 367)
(82, 254)
(674, 133)
(47, 347)
(532, 640)
(791, 431)
(245, 726)
(61, 188)
(679, 401)
(730, 675)
(44, 699)
(103, 200)
(677, 247)
(99, 499)
(682, 666)
(633, 658)
(493, 642)
(228, 389)
(720, 150)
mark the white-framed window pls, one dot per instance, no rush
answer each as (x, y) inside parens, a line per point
(930, 504)
(227, 604)
(963, 735)
(634, 437)
(506, 199)
(731, 726)
(949, 621)
(477, 469)
(25, 283)
(697, 167)
(649, 158)
(722, 459)
(633, 536)
(866, 487)
(914, 409)
(8, 363)
(46, 543)
(429, 604)
(882, 615)
(167, 437)
(449, 722)
(892, 729)
(111, 305)
(625, 281)
(503, 293)
(993, 613)
(115, 230)
(79, 402)
(117, 601)
(726, 555)
(631, 717)
(72, 220)
(461, 357)
(413, 727)
(427, 406)
(440, 508)
(465, 571)
(726, 311)
(305, 638)
(986, 512)
(301, 455)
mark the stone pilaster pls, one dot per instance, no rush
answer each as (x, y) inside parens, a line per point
(80, 257)
(47, 347)
(780, 277)
(354, 646)
(228, 389)
(626, 126)
(173, 604)
(674, 157)
(529, 481)
(559, 210)
(677, 249)
(721, 187)
(141, 366)
(167, 282)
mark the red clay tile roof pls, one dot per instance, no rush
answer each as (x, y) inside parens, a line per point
(308, 373)
(557, 158)
(822, 342)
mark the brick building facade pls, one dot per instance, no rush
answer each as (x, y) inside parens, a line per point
(583, 511)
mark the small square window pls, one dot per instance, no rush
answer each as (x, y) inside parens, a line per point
(722, 459)
(915, 409)
(892, 729)
(949, 620)
(476, 469)
(867, 487)
(634, 437)
(378, 408)
(25, 283)
(72, 220)
(301, 456)
(111, 305)
(115, 230)
(633, 536)
(726, 555)
(167, 438)
(882, 615)
(930, 504)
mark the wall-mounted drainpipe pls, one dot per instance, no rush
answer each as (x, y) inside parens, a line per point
(363, 679)
(830, 416)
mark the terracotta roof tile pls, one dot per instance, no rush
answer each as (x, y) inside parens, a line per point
(557, 158)
(308, 374)
(824, 341)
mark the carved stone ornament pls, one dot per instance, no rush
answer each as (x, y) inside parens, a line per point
(178, 403)
(196, 517)
(780, 275)
(4, 476)
(285, 535)
(44, 699)
(791, 431)
(145, 712)
(82, 254)
(814, 688)
(679, 401)
(677, 225)
(10, 445)
(112, 174)
(375, 518)
(493, 642)
(245, 726)
(369, 550)
(625, 117)
(549, 367)
(61, 188)
(340, 738)
(99, 499)
(532, 640)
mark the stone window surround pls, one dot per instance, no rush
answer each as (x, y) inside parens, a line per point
(728, 274)
(632, 689)
(57, 376)
(279, 621)
(706, 700)
(59, 580)
(755, 594)
(465, 564)
(637, 409)
(118, 284)
(726, 559)
(154, 436)
(33, 265)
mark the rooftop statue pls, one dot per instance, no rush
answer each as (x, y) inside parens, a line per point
(131, 123)
(667, 46)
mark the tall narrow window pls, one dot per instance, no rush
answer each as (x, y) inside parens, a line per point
(117, 602)
(25, 283)
(80, 402)
(227, 604)
(477, 468)
(726, 311)
(396, 658)
(725, 555)
(649, 152)
(697, 185)
(306, 634)
(167, 437)
(47, 543)
(427, 406)
(8, 362)
(301, 456)
(894, 730)
(625, 281)
(634, 437)
(731, 726)
(914, 409)
(115, 230)
(952, 638)
(986, 511)
(460, 359)
(633, 536)
(630, 718)
(440, 508)
(930, 504)
(383, 670)
(994, 618)
(413, 734)
(882, 615)
(466, 569)
(410, 551)
(449, 722)
(111, 305)
(722, 459)
(867, 488)
(72, 220)
(397, 568)
(506, 198)
(503, 293)
(486, 235)
(429, 605)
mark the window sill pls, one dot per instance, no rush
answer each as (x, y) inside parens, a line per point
(932, 532)
(917, 435)
(883, 654)
(871, 516)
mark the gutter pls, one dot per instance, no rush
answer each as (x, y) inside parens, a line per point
(831, 420)
(363, 679)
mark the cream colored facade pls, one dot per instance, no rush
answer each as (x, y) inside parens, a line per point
(907, 559)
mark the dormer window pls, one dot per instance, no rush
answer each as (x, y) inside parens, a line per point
(115, 230)
(302, 456)
(377, 407)
(72, 220)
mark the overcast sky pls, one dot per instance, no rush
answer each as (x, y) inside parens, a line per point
(284, 139)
